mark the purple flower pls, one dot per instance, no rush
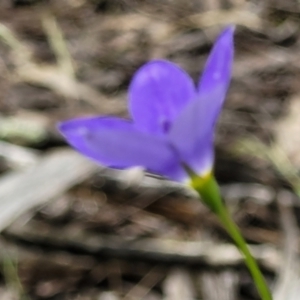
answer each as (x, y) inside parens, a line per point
(173, 121)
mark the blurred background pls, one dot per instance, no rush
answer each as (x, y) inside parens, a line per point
(71, 230)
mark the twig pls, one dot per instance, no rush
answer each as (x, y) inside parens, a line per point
(58, 45)
(155, 250)
(55, 77)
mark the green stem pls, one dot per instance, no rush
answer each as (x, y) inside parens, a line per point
(251, 263)
(208, 189)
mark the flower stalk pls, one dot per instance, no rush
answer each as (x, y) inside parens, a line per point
(209, 192)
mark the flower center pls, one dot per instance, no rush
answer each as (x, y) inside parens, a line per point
(165, 125)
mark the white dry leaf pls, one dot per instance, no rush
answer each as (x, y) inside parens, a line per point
(108, 296)
(178, 285)
(24, 126)
(295, 291)
(246, 15)
(132, 176)
(287, 286)
(287, 132)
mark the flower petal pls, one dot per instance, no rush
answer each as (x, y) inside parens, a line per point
(116, 143)
(192, 137)
(158, 92)
(217, 72)
(192, 132)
